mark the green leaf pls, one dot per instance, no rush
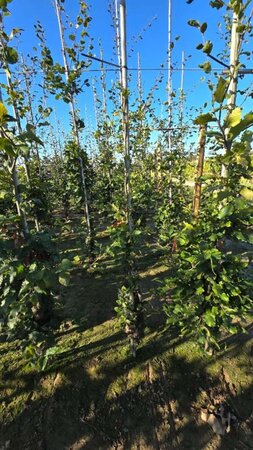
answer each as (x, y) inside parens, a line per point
(11, 55)
(4, 3)
(209, 319)
(7, 147)
(220, 91)
(247, 193)
(64, 279)
(217, 4)
(24, 150)
(224, 297)
(206, 67)
(200, 290)
(234, 118)
(238, 235)
(10, 118)
(207, 47)
(203, 27)
(3, 194)
(193, 23)
(226, 211)
(3, 113)
(65, 264)
(30, 137)
(76, 260)
(241, 28)
(49, 280)
(245, 123)
(203, 119)
(218, 136)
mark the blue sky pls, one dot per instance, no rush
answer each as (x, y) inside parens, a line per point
(152, 45)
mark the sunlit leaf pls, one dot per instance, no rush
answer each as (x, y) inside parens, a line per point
(220, 91)
(207, 47)
(203, 119)
(245, 123)
(234, 118)
(206, 67)
(64, 279)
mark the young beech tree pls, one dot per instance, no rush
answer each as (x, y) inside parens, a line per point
(29, 265)
(129, 300)
(66, 82)
(210, 287)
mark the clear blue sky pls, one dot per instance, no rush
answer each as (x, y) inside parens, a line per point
(152, 46)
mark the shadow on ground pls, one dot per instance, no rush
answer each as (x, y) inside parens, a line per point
(98, 397)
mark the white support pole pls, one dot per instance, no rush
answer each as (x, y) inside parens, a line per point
(117, 34)
(233, 74)
(234, 60)
(169, 88)
(125, 112)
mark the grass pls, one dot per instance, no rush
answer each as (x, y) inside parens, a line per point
(94, 395)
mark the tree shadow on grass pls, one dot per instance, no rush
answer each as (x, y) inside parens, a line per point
(149, 415)
(99, 397)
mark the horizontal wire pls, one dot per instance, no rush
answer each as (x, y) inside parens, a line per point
(133, 69)
(144, 69)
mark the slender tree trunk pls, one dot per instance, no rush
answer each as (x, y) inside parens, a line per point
(107, 145)
(18, 199)
(95, 102)
(200, 166)
(134, 329)
(181, 99)
(30, 104)
(181, 118)
(159, 173)
(140, 93)
(19, 127)
(13, 167)
(103, 83)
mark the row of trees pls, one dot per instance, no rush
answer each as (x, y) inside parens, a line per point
(120, 177)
